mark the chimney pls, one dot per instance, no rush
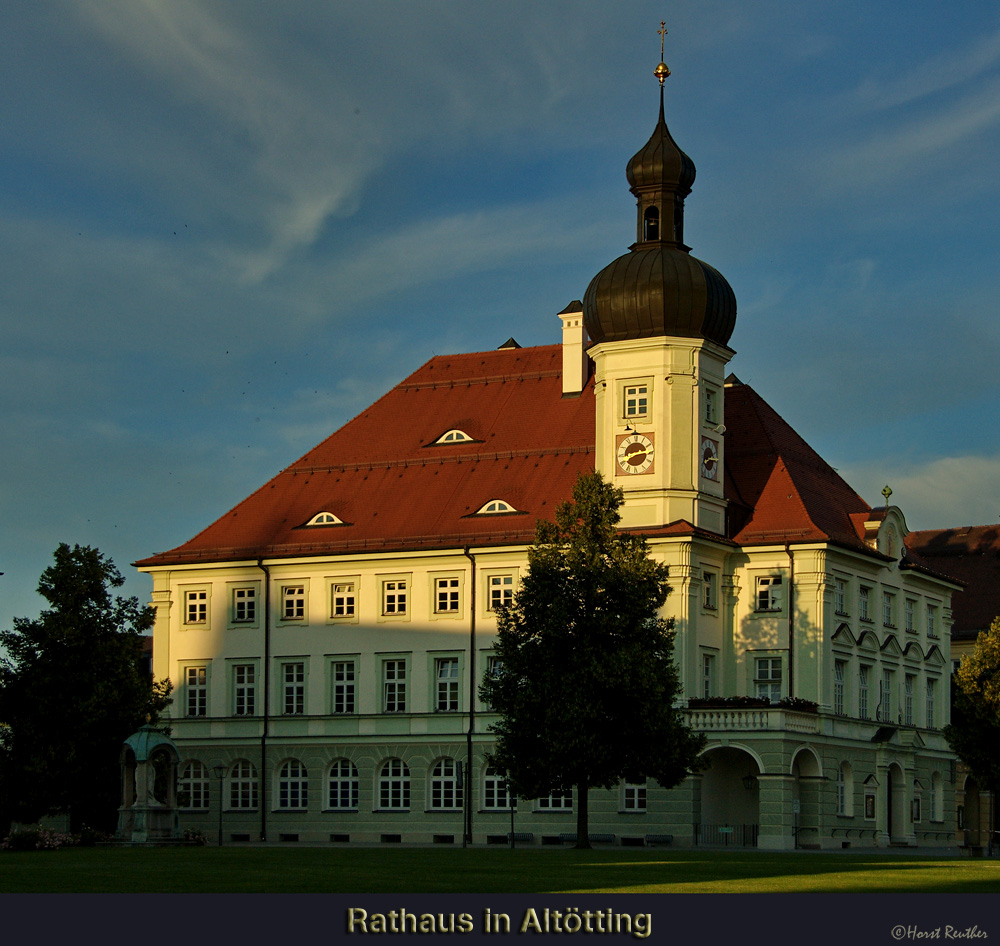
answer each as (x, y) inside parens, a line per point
(574, 349)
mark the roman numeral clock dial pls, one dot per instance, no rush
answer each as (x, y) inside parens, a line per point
(634, 453)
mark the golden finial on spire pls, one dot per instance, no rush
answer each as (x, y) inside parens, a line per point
(661, 71)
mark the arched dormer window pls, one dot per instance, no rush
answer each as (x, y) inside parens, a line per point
(454, 436)
(651, 224)
(325, 519)
(494, 507)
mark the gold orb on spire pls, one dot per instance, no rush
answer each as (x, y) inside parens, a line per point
(661, 71)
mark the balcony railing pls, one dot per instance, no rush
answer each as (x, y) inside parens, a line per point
(773, 719)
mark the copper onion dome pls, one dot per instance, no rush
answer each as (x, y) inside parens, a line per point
(658, 287)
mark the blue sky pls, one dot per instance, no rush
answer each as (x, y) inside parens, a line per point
(227, 227)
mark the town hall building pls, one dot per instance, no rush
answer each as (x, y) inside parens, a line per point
(328, 635)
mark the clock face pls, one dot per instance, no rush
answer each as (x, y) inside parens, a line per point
(635, 453)
(709, 458)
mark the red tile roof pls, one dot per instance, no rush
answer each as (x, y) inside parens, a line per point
(394, 489)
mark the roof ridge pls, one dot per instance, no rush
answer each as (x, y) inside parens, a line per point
(481, 379)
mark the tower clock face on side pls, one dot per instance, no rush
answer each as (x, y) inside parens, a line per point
(709, 459)
(635, 453)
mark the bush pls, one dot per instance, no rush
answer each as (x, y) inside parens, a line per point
(36, 839)
(194, 837)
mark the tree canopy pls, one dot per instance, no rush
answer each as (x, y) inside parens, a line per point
(72, 689)
(974, 732)
(585, 680)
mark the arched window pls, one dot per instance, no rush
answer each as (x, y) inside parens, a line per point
(454, 436)
(192, 786)
(445, 790)
(325, 519)
(293, 785)
(343, 785)
(651, 224)
(493, 507)
(394, 785)
(495, 790)
(243, 785)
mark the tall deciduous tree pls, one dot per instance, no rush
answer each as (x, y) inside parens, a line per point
(72, 689)
(585, 681)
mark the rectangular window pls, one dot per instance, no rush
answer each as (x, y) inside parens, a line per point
(869, 806)
(841, 792)
(908, 700)
(929, 709)
(636, 400)
(446, 595)
(293, 602)
(244, 605)
(557, 800)
(196, 689)
(710, 588)
(196, 607)
(446, 673)
(394, 686)
(707, 675)
(840, 596)
(244, 689)
(888, 609)
(863, 692)
(885, 704)
(911, 606)
(864, 596)
(394, 597)
(915, 814)
(343, 686)
(293, 677)
(344, 601)
(839, 669)
(932, 622)
(495, 791)
(769, 593)
(634, 797)
(501, 591)
(711, 408)
(767, 678)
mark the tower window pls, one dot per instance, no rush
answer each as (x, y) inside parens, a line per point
(651, 224)
(636, 400)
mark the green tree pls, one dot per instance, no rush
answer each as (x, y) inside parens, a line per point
(585, 682)
(974, 732)
(72, 689)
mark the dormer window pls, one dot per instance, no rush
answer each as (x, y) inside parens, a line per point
(454, 436)
(325, 519)
(494, 507)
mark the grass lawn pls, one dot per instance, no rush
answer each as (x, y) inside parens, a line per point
(430, 870)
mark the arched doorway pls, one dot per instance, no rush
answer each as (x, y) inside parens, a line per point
(730, 798)
(897, 822)
(806, 801)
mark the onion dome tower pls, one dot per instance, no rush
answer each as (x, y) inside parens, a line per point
(660, 321)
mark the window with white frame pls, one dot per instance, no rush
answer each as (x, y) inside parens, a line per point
(908, 699)
(244, 605)
(393, 686)
(864, 600)
(293, 689)
(394, 596)
(501, 591)
(909, 615)
(454, 436)
(839, 672)
(634, 796)
(840, 596)
(193, 786)
(343, 785)
(559, 800)
(768, 593)
(636, 400)
(710, 590)
(446, 595)
(708, 675)
(493, 665)
(930, 713)
(394, 785)
(885, 705)
(293, 602)
(243, 785)
(767, 678)
(495, 795)
(888, 609)
(343, 677)
(446, 792)
(196, 607)
(244, 689)
(196, 691)
(863, 673)
(841, 792)
(711, 406)
(344, 600)
(446, 679)
(495, 507)
(293, 785)
(932, 621)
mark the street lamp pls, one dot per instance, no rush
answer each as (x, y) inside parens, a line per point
(220, 774)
